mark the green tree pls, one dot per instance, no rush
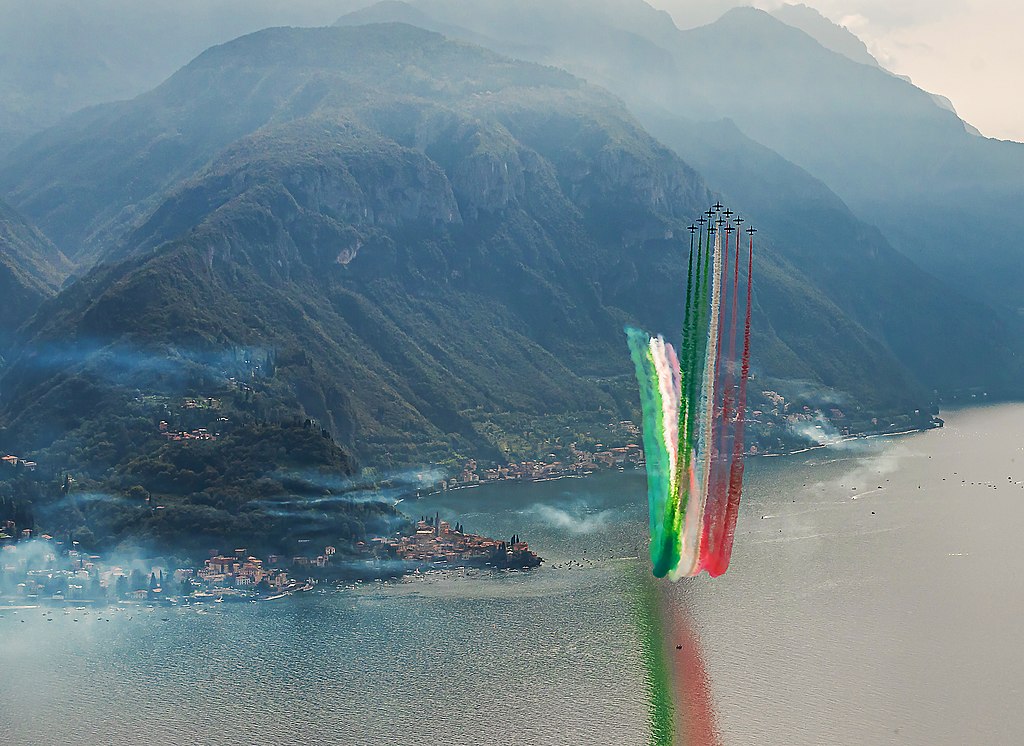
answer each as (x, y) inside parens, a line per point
(138, 493)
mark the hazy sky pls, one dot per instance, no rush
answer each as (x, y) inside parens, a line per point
(971, 51)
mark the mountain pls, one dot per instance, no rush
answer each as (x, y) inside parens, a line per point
(31, 270)
(601, 41)
(50, 178)
(830, 35)
(841, 40)
(58, 56)
(688, 14)
(427, 248)
(383, 208)
(944, 196)
(948, 341)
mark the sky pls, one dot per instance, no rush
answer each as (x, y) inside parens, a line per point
(971, 51)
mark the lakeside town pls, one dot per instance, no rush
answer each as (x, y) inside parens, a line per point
(62, 572)
(46, 570)
(775, 427)
(438, 542)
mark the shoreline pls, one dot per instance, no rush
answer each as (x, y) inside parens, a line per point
(641, 467)
(845, 439)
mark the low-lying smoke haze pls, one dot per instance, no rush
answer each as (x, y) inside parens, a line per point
(576, 517)
(966, 51)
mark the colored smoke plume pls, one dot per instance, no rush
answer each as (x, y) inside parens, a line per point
(694, 405)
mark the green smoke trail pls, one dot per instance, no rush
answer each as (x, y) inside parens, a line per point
(698, 351)
(698, 323)
(657, 668)
(663, 557)
(695, 351)
(682, 482)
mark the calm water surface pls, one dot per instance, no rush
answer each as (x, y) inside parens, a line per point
(875, 596)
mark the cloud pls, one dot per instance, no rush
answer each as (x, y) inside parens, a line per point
(811, 392)
(885, 14)
(317, 488)
(577, 518)
(870, 471)
(129, 364)
(819, 431)
(854, 22)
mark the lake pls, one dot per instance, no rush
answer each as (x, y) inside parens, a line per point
(875, 596)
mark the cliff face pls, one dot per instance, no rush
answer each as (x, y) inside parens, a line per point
(31, 270)
(94, 175)
(352, 181)
(21, 297)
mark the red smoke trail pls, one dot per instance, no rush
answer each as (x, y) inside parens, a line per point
(736, 469)
(697, 724)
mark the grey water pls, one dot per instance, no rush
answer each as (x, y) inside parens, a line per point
(875, 596)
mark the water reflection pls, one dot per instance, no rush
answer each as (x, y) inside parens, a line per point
(681, 706)
(698, 721)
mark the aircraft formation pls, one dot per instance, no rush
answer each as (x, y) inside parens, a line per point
(694, 403)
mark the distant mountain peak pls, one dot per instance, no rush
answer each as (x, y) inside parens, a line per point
(753, 22)
(743, 13)
(829, 34)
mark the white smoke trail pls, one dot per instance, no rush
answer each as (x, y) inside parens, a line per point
(667, 366)
(688, 563)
